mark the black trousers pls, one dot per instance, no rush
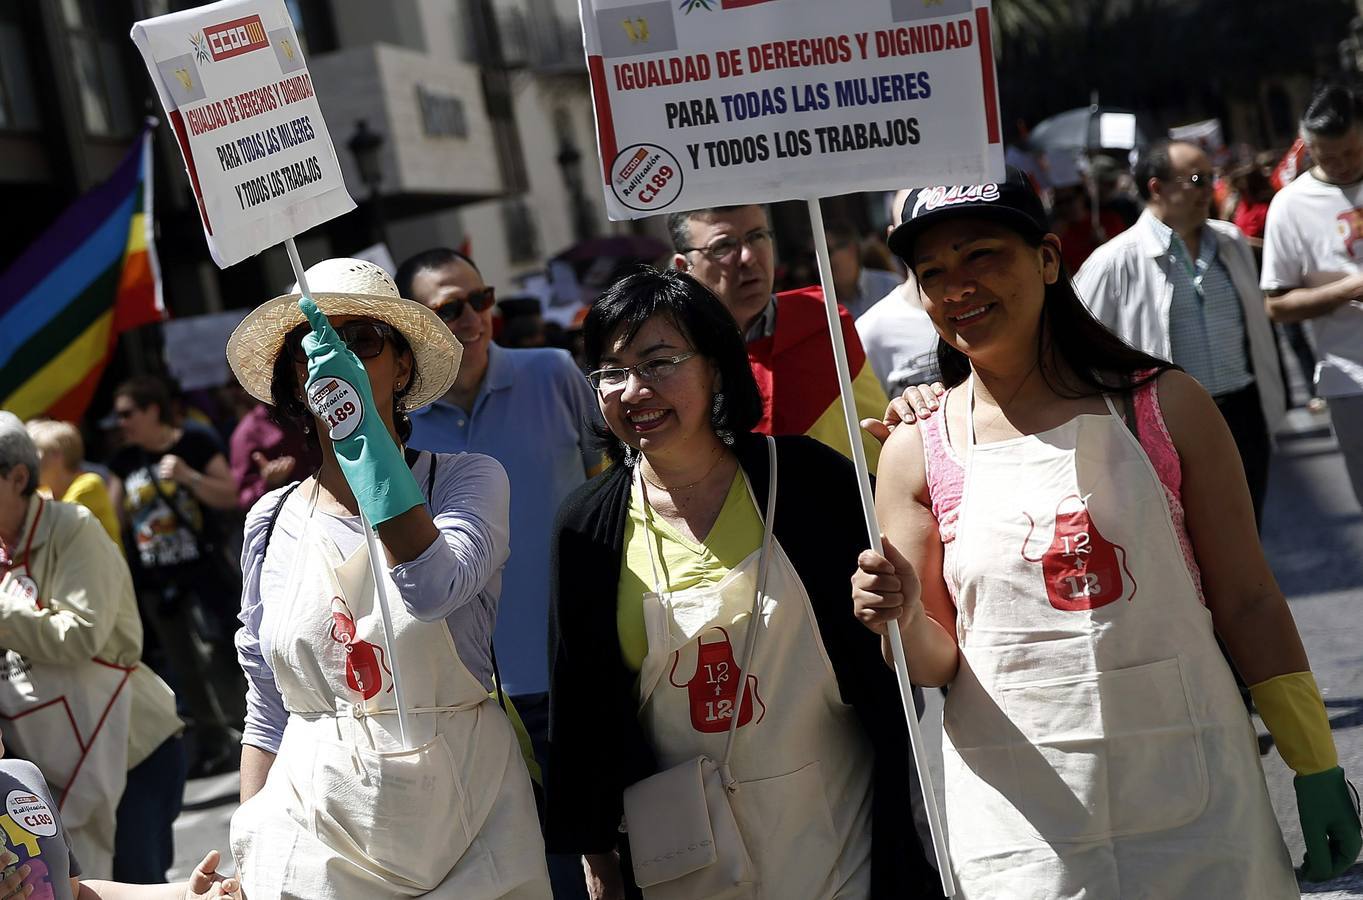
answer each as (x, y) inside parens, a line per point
(144, 844)
(1245, 416)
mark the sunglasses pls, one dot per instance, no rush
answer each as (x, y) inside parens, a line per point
(364, 337)
(481, 300)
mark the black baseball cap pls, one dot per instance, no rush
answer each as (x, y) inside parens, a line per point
(1012, 202)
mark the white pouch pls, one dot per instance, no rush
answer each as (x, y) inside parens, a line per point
(694, 849)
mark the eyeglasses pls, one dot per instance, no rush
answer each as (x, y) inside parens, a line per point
(649, 371)
(364, 337)
(1198, 180)
(481, 300)
(724, 248)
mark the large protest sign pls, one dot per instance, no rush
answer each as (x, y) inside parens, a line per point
(705, 101)
(236, 89)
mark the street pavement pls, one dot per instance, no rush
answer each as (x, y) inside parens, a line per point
(1313, 535)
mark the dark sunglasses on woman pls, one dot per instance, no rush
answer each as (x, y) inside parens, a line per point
(481, 300)
(364, 337)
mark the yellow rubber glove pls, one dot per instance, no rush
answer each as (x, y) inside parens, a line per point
(1294, 713)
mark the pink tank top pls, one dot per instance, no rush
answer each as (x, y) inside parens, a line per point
(946, 474)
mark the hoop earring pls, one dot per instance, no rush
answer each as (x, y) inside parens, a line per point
(717, 419)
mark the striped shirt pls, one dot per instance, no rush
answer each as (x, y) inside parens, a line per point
(1206, 319)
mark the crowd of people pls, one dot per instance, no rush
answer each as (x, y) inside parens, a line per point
(509, 621)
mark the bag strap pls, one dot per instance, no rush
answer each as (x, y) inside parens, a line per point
(168, 501)
(274, 515)
(764, 564)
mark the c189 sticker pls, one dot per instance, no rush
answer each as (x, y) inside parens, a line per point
(646, 177)
(336, 402)
(25, 587)
(31, 813)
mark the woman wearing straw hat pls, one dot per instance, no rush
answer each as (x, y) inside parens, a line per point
(338, 800)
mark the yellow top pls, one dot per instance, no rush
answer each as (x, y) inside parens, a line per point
(682, 563)
(90, 492)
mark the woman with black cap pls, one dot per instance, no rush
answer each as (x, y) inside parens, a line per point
(1063, 545)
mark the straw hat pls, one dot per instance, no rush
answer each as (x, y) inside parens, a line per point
(347, 287)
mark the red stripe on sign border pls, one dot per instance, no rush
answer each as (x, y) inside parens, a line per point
(739, 4)
(991, 97)
(605, 123)
(177, 124)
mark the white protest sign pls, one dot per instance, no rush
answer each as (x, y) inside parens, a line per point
(710, 102)
(236, 90)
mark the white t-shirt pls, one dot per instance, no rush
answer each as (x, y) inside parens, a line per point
(1315, 236)
(899, 340)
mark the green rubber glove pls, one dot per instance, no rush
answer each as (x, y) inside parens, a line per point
(1329, 824)
(339, 393)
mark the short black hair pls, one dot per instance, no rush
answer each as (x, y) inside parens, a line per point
(639, 296)
(679, 223)
(434, 258)
(1154, 163)
(1332, 112)
(144, 390)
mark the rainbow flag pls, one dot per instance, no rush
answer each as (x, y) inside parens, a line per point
(90, 277)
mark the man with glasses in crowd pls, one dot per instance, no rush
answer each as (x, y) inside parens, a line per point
(1313, 245)
(1185, 288)
(532, 411)
(730, 250)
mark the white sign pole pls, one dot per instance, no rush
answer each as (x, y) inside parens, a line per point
(375, 556)
(868, 509)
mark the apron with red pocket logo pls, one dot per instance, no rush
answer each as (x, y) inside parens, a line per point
(800, 756)
(1095, 743)
(72, 720)
(347, 812)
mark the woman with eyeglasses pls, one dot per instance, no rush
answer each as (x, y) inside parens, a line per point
(174, 480)
(334, 803)
(653, 649)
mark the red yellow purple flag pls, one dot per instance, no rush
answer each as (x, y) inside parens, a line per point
(90, 277)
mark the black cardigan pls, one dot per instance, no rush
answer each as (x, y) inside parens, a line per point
(597, 746)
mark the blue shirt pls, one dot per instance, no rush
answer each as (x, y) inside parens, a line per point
(1206, 319)
(534, 414)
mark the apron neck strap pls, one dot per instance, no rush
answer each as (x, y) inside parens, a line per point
(763, 565)
(28, 541)
(648, 529)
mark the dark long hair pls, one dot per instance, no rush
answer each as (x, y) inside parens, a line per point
(1086, 345)
(289, 411)
(696, 312)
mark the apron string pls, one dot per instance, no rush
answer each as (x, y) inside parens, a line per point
(764, 564)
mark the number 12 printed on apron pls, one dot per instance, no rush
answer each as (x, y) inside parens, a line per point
(1095, 744)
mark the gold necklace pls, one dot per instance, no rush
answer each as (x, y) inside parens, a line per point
(719, 456)
(998, 411)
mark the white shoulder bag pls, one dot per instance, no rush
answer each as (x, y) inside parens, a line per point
(683, 837)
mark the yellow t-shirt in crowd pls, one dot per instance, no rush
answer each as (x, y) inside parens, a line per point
(90, 492)
(682, 563)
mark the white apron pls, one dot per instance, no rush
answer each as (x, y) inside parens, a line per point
(71, 720)
(346, 813)
(1095, 743)
(800, 755)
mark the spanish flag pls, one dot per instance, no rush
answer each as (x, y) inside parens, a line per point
(90, 277)
(798, 379)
